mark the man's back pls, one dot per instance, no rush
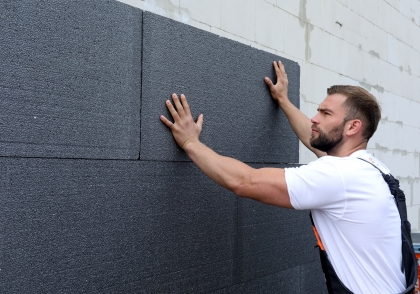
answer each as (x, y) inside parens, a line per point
(356, 218)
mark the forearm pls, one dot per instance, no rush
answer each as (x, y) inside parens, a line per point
(267, 185)
(300, 124)
(225, 171)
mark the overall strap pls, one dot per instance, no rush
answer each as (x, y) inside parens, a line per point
(334, 284)
(394, 188)
(409, 262)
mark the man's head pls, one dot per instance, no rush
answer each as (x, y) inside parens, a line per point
(346, 107)
(360, 104)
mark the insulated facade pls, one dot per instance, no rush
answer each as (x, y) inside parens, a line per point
(95, 195)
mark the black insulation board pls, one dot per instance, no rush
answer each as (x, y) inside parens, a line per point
(109, 226)
(222, 79)
(70, 79)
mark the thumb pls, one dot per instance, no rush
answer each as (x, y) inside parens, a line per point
(268, 82)
(200, 121)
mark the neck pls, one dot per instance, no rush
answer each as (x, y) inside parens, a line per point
(347, 149)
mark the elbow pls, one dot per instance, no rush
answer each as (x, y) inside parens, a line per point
(243, 183)
(237, 189)
(241, 187)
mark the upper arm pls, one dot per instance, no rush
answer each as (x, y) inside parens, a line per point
(267, 185)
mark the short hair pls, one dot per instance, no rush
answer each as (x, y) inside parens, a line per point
(361, 105)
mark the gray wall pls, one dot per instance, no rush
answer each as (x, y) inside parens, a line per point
(95, 195)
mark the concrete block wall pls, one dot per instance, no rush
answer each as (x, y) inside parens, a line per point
(95, 195)
(374, 44)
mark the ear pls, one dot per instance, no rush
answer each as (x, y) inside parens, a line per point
(354, 127)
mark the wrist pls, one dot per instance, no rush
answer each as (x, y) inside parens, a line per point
(283, 100)
(190, 145)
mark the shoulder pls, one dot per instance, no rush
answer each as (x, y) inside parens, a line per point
(324, 166)
(366, 156)
(318, 184)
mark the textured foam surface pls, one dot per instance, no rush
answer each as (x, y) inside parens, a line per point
(70, 79)
(222, 79)
(88, 226)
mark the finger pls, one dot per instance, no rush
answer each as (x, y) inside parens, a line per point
(172, 110)
(200, 121)
(277, 70)
(282, 69)
(185, 105)
(167, 122)
(178, 105)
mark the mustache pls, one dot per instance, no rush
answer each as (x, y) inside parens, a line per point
(314, 127)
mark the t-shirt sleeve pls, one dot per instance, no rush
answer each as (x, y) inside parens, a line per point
(318, 185)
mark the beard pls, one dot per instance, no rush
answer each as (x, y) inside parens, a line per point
(327, 141)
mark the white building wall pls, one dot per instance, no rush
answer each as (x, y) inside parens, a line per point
(371, 43)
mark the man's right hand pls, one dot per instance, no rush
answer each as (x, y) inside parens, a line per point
(184, 129)
(279, 90)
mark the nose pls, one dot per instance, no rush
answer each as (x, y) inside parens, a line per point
(315, 119)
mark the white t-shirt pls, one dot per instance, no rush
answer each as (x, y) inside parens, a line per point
(356, 218)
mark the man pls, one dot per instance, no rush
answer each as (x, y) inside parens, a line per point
(351, 205)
